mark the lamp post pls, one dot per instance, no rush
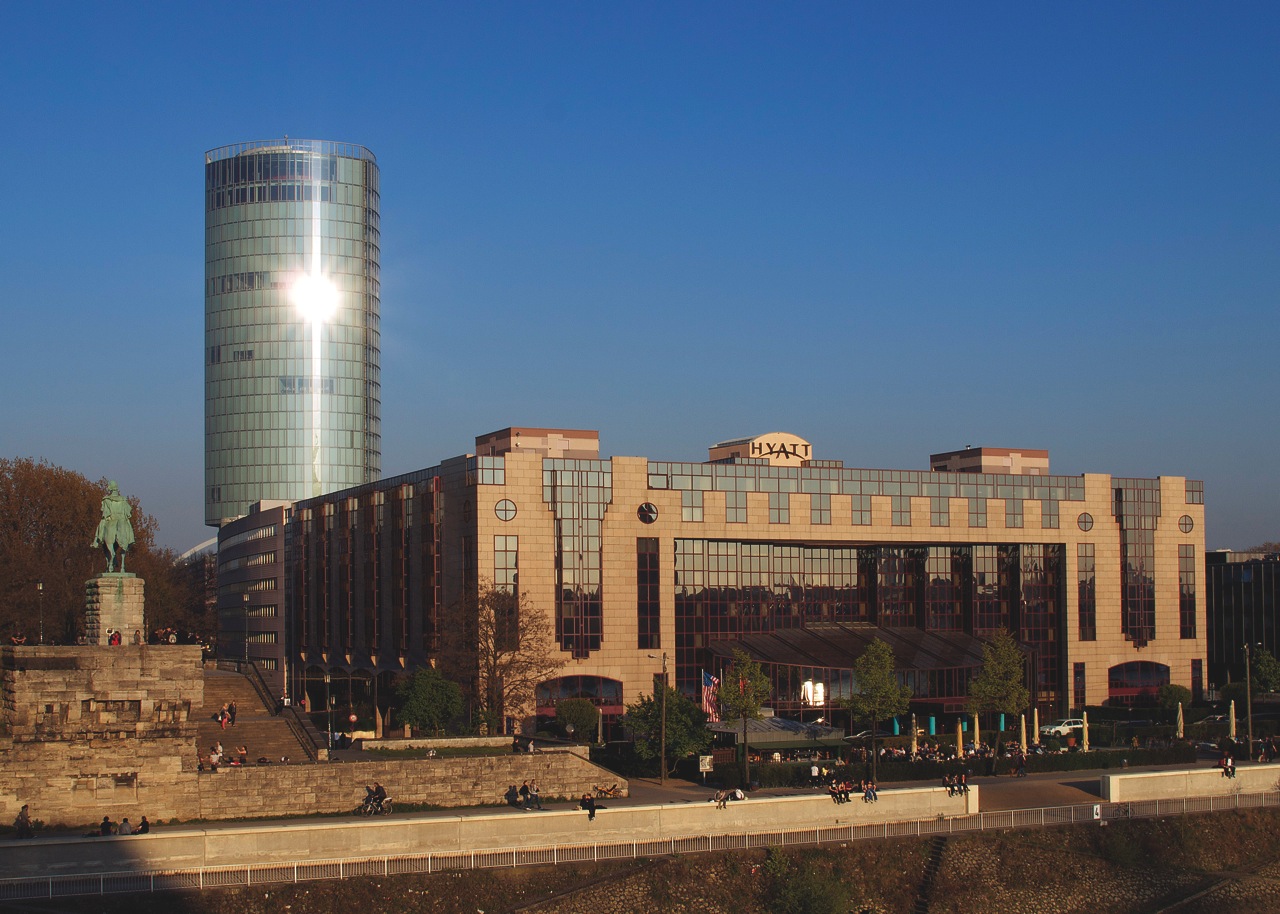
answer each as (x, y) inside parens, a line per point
(662, 729)
(328, 707)
(1248, 699)
(40, 591)
(244, 602)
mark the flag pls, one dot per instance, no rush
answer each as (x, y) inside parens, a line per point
(710, 690)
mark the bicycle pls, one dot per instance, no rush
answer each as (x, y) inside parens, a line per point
(604, 792)
(371, 807)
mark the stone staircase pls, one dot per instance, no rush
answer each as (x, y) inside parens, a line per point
(924, 896)
(256, 728)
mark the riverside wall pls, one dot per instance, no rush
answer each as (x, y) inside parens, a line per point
(185, 848)
(1135, 786)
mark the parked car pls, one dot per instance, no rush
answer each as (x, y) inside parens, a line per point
(1217, 719)
(866, 735)
(1064, 727)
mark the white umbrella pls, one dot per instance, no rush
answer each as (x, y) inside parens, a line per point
(977, 733)
(1022, 733)
(915, 745)
(1180, 733)
(959, 738)
(1232, 720)
(1035, 723)
(1085, 732)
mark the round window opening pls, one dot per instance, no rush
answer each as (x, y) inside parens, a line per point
(1085, 521)
(505, 509)
(1186, 524)
(647, 513)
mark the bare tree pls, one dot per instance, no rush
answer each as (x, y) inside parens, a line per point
(501, 648)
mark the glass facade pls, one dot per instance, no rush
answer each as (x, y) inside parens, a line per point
(292, 404)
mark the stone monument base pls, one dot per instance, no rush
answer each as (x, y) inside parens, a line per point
(113, 603)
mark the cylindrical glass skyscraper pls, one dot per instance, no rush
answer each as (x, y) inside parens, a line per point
(292, 345)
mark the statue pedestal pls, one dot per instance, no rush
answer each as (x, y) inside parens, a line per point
(113, 602)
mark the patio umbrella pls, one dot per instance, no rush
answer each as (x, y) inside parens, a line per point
(977, 733)
(1180, 733)
(1084, 747)
(914, 742)
(1035, 723)
(1022, 733)
(959, 737)
(1231, 718)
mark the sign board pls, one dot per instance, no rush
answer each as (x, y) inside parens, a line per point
(704, 763)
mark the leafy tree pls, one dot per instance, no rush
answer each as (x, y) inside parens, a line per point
(744, 689)
(50, 515)
(1234, 691)
(1001, 682)
(877, 693)
(1269, 546)
(580, 715)
(1169, 696)
(687, 732)
(427, 700)
(500, 647)
(1266, 672)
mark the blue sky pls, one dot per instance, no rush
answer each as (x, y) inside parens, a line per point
(892, 229)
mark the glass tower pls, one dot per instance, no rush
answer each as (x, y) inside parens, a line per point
(292, 346)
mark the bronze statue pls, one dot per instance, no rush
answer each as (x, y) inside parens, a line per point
(115, 532)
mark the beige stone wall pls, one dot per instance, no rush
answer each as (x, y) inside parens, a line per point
(94, 731)
(113, 603)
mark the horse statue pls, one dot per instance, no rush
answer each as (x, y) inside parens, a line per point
(115, 531)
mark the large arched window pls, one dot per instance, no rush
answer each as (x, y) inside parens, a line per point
(605, 694)
(1136, 682)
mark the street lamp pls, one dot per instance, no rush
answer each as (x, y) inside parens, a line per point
(662, 730)
(1248, 699)
(245, 603)
(328, 707)
(40, 591)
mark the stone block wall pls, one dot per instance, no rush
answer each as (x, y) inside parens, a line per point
(94, 731)
(232, 793)
(113, 602)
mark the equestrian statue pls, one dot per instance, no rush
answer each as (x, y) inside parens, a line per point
(115, 532)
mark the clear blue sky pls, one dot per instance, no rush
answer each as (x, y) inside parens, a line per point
(889, 228)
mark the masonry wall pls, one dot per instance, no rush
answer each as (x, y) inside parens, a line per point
(93, 731)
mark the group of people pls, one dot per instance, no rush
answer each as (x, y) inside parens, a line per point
(1228, 765)
(527, 796)
(956, 784)
(108, 828)
(842, 791)
(723, 797)
(217, 757)
(375, 798)
(227, 715)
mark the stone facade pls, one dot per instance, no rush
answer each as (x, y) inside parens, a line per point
(94, 731)
(113, 603)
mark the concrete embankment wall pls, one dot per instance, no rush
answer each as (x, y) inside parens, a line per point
(297, 842)
(1131, 787)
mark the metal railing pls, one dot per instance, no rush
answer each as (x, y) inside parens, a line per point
(392, 865)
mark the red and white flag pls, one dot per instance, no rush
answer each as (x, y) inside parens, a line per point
(710, 691)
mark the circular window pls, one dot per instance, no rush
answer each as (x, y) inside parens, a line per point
(505, 509)
(647, 513)
(1186, 524)
(1085, 521)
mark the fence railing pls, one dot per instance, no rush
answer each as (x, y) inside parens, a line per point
(392, 865)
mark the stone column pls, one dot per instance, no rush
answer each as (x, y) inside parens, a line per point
(113, 602)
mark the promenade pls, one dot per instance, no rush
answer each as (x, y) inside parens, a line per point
(655, 820)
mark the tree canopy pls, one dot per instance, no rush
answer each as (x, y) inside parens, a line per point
(428, 701)
(50, 515)
(1001, 682)
(744, 689)
(877, 693)
(579, 717)
(687, 732)
(500, 647)
(1266, 671)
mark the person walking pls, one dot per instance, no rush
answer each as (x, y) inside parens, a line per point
(22, 824)
(231, 713)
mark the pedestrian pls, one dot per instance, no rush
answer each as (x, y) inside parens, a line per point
(231, 712)
(223, 716)
(22, 824)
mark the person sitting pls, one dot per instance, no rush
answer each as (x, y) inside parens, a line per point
(125, 828)
(949, 782)
(512, 796)
(375, 796)
(869, 793)
(722, 799)
(242, 753)
(144, 827)
(106, 828)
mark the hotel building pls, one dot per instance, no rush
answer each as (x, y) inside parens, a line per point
(797, 560)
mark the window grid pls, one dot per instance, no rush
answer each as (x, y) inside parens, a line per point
(1187, 590)
(1087, 591)
(648, 595)
(779, 508)
(820, 508)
